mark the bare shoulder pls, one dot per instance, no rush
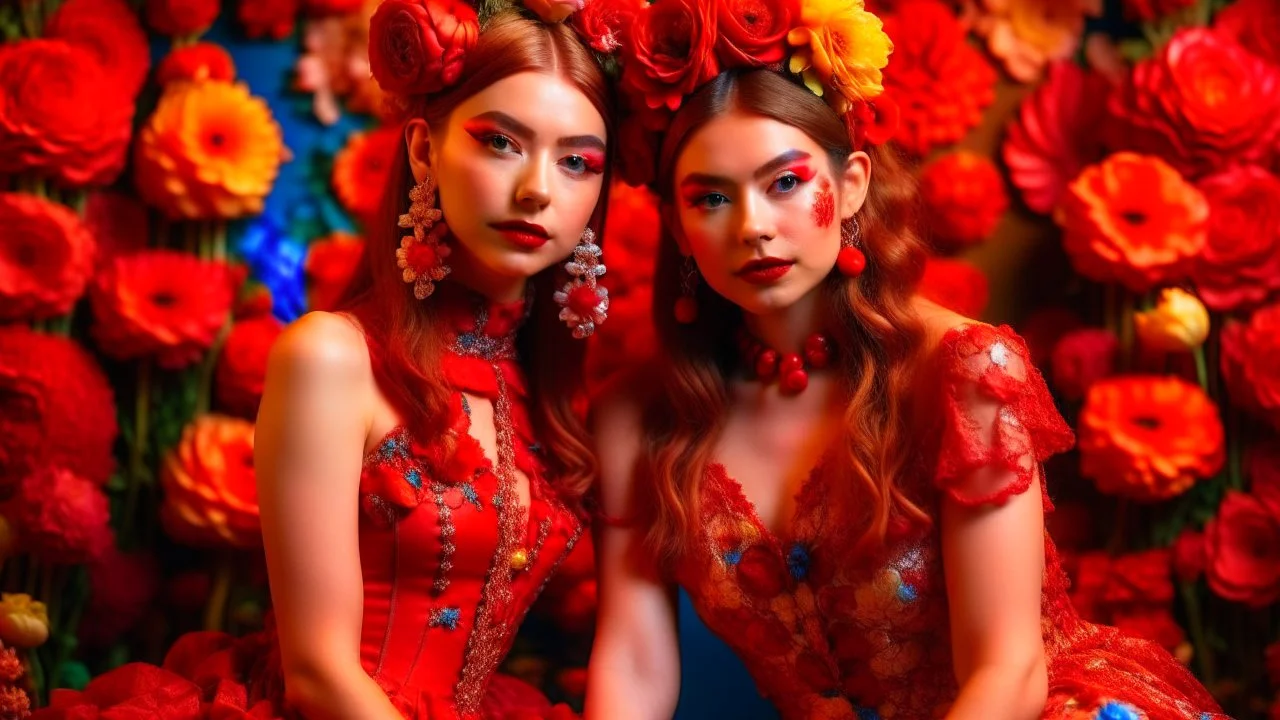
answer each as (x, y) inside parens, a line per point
(322, 343)
(938, 321)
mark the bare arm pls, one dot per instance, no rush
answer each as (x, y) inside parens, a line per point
(309, 447)
(634, 672)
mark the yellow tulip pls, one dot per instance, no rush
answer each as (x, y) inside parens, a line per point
(24, 623)
(1178, 322)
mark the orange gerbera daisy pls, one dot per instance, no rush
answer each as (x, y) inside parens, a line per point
(210, 151)
(1149, 437)
(362, 169)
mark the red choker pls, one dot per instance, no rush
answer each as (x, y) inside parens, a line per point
(791, 369)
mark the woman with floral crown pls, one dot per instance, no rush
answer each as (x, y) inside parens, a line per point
(845, 479)
(418, 453)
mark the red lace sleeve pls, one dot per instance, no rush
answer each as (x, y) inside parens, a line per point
(999, 421)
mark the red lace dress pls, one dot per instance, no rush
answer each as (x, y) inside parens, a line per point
(450, 564)
(829, 634)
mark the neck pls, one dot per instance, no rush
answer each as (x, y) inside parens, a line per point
(471, 275)
(785, 329)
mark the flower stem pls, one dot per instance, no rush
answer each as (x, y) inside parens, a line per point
(216, 610)
(1202, 370)
(137, 457)
(1124, 320)
(220, 240)
(69, 628)
(1204, 653)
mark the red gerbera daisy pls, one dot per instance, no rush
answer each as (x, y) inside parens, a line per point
(46, 257)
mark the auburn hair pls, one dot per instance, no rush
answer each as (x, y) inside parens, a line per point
(408, 335)
(872, 324)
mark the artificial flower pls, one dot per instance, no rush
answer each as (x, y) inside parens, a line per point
(1132, 219)
(753, 32)
(1149, 437)
(274, 18)
(964, 196)
(1148, 10)
(24, 622)
(181, 18)
(1249, 363)
(1240, 264)
(162, 303)
(210, 498)
(841, 51)
(873, 122)
(939, 82)
(362, 169)
(1252, 23)
(242, 367)
(1201, 103)
(1026, 35)
(669, 52)
(331, 263)
(1178, 322)
(198, 61)
(63, 518)
(1054, 135)
(110, 30)
(56, 408)
(1081, 358)
(46, 258)
(61, 116)
(334, 66)
(605, 23)
(419, 46)
(956, 285)
(1242, 549)
(210, 151)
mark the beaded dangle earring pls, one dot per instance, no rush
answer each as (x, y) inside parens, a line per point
(421, 255)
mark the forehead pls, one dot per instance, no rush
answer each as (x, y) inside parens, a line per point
(735, 144)
(547, 103)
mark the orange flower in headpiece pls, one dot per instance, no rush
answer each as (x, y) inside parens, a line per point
(842, 48)
(210, 495)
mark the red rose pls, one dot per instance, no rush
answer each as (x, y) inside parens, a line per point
(1243, 550)
(46, 258)
(1251, 363)
(110, 30)
(199, 61)
(604, 23)
(1140, 578)
(420, 46)
(1240, 264)
(331, 262)
(242, 367)
(1253, 24)
(761, 572)
(60, 114)
(1201, 103)
(61, 517)
(1147, 10)
(1151, 623)
(268, 18)
(955, 285)
(965, 197)
(181, 17)
(1188, 556)
(670, 52)
(753, 32)
(1081, 358)
(873, 122)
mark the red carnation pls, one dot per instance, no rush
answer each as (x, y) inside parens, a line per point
(1249, 363)
(56, 408)
(604, 23)
(955, 285)
(46, 258)
(1240, 264)
(242, 368)
(163, 303)
(331, 263)
(670, 52)
(753, 32)
(965, 197)
(181, 17)
(62, 518)
(1081, 358)
(199, 61)
(1243, 549)
(1253, 24)
(419, 46)
(110, 30)
(268, 18)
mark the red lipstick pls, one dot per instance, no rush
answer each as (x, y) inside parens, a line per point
(763, 271)
(522, 234)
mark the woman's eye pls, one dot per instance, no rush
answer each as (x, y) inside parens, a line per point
(786, 183)
(576, 164)
(710, 201)
(501, 143)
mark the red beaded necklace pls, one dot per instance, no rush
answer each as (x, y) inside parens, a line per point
(791, 370)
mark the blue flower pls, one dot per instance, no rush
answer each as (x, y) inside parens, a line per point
(1117, 711)
(446, 618)
(798, 561)
(277, 262)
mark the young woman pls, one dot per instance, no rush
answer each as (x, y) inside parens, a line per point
(844, 478)
(418, 456)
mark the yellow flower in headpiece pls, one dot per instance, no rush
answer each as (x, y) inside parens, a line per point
(840, 50)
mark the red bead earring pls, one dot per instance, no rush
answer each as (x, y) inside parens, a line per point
(851, 260)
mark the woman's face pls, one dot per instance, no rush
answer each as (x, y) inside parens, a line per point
(520, 167)
(758, 206)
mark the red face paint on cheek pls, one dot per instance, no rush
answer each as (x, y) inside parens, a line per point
(824, 205)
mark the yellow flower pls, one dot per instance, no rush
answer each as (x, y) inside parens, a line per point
(210, 151)
(1177, 323)
(24, 623)
(840, 50)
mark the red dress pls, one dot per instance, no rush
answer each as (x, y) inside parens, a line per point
(829, 634)
(450, 564)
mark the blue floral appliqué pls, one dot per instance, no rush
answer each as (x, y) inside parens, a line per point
(469, 492)
(446, 618)
(414, 478)
(1117, 711)
(907, 593)
(732, 557)
(798, 561)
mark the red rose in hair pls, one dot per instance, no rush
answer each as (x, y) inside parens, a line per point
(419, 46)
(670, 52)
(61, 116)
(1253, 24)
(200, 61)
(1243, 550)
(62, 517)
(753, 32)
(46, 258)
(1081, 358)
(604, 23)
(110, 30)
(242, 368)
(181, 17)
(1240, 265)
(965, 197)
(955, 285)
(1188, 556)
(1251, 363)
(873, 122)
(56, 408)
(269, 18)
(1147, 10)
(331, 262)
(761, 572)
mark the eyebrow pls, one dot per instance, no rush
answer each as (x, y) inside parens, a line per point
(515, 126)
(761, 172)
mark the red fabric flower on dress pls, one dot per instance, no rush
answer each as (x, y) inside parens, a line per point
(419, 46)
(1242, 547)
(1240, 265)
(123, 586)
(669, 52)
(242, 367)
(1149, 437)
(273, 18)
(1252, 23)
(1201, 103)
(964, 196)
(199, 61)
(1249, 363)
(119, 223)
(62, 517)
(1132, 219)
(1055, 134)
(180, 18)
(1148, 10)
(46, 258)
(1081, 358)
(939, 82)
(955, 285)
(210, 496)
(605, 23)
(362, 170)
(56, 408)
(162, 303)
(110, 30)
(331, 263)
(1026, 35)
(77, 134)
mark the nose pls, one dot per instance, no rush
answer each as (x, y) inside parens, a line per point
(533, 192)
(757, 220)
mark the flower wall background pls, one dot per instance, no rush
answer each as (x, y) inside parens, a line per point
(179, 178)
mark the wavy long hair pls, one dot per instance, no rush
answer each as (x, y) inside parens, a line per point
(407, 333)
(872, 324)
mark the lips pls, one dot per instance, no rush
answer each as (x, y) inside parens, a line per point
(763, 271)
(522, 234)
